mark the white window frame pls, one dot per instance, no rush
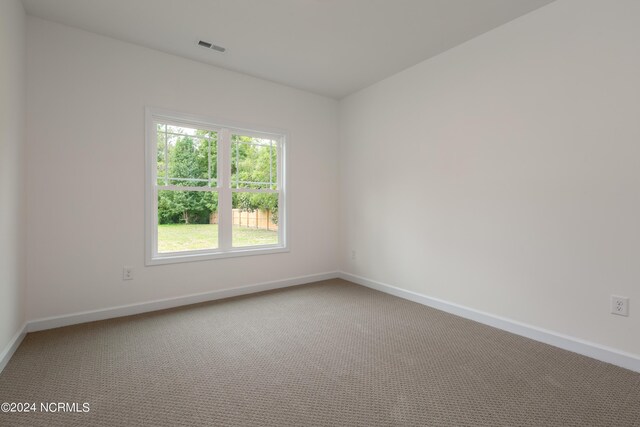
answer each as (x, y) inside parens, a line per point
(225, 129)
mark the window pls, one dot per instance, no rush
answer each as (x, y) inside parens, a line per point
(213, 190)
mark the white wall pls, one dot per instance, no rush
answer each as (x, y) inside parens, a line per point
(12, 169)
(504, 174)
(86, 99)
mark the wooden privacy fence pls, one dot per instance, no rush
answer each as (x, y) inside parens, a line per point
(260, 219)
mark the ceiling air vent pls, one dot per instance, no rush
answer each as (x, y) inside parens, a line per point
(211, 46)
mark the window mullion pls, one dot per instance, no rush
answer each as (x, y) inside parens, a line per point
(279, 168)
(225, 219)
(209, 160)
(237, 161)
(166, 156)
(280, 177)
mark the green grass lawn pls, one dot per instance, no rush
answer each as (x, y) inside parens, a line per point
(185, 237)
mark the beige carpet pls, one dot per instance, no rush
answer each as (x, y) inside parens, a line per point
(331, 353)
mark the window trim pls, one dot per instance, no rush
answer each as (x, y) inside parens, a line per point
(224, 189)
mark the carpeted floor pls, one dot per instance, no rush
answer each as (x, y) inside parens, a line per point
(331, 353)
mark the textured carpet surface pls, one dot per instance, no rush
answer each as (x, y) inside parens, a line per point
(331, 353)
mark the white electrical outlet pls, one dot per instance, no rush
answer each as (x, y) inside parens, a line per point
(619, 305)
(127, 273)
(353, 255)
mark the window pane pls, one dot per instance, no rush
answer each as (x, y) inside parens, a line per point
(192, 157)
(255, 219)
(187, 220)
(253, 163)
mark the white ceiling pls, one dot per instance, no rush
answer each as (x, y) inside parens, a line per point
(330, 47)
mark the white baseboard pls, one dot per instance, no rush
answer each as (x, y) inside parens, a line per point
(130, 309)
(12, 346)
(576, 345)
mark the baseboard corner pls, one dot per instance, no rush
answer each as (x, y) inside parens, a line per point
(12, 346)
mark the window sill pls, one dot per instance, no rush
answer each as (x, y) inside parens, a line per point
(192, 256)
